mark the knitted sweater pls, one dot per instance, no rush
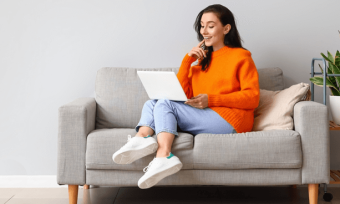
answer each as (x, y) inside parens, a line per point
(231, 83)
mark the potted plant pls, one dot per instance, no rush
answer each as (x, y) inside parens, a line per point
(332, 82)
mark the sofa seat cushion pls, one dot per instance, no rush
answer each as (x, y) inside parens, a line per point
(258, 149)
(102, 143)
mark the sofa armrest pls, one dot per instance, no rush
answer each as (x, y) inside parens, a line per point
(311, 121)
(75, 121)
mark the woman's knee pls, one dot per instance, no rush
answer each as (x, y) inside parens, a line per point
(150, 102)
(162, 102)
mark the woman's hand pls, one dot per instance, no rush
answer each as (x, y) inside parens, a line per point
(200, 101)
(197, 52)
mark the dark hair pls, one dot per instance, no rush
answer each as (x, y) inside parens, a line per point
(231, 39)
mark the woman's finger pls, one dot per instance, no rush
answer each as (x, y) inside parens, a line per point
(198, 53)
(203, 53)
(189, 103)
(199, 44)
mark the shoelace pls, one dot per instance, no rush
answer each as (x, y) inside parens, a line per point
(147, 167)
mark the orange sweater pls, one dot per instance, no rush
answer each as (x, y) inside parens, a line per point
(231, 82)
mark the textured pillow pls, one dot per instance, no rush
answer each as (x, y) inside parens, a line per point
(275, 110)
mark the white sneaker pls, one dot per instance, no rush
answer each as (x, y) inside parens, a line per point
(135, 148)
(158, 169)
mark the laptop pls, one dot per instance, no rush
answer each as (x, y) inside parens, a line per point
(162, 85)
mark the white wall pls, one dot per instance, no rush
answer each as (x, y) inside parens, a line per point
(50, 52)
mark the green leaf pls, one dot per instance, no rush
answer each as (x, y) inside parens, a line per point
(330, 56)
(337, 59)
(319, 82)
(332, 79)
(321, 69)
(337, 53)
(334, 91)
(335, 70)
(326, 58)
(329, 71)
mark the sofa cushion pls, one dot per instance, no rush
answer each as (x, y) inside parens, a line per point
(275, 109)
(120, 96)
(258, 149)
(102, 143)
(271, 78)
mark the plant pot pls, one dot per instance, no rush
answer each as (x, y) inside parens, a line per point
(334, 102)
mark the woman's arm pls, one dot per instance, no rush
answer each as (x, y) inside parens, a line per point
(249, 95)
(183, 74)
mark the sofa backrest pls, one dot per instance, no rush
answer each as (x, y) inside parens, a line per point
(120, 94)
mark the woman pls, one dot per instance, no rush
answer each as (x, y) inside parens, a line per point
(223, 91)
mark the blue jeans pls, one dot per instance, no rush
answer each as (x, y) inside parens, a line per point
(164, 115)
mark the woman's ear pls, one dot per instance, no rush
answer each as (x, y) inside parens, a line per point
(227, 29)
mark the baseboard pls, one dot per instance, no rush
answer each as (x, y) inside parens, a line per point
(51, 182)
(24, 181)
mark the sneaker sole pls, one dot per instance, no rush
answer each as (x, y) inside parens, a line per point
(153, 180)
(132, 155)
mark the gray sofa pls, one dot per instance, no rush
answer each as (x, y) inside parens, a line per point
(92, 129)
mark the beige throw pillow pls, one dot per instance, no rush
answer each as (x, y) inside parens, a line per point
(275, 110)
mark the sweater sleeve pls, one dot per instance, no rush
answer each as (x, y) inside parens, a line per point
(249, 95)
(183, 75)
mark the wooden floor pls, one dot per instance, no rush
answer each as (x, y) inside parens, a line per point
(167, 195)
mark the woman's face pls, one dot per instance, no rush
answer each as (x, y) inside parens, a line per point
(212, 28)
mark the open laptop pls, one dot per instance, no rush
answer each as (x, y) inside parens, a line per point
(162, 84)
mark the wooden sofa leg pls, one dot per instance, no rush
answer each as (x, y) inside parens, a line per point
(73, 194)
(313, 190)
(86, 186)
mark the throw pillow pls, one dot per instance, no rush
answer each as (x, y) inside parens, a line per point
(275, 110)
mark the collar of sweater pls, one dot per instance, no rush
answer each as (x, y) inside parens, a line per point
(219, 52)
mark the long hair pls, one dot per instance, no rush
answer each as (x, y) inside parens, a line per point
(231, 39)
